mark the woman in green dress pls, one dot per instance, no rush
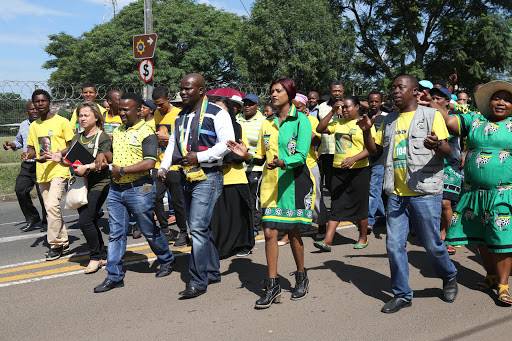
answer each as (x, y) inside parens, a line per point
(483, 214)
(287, 192)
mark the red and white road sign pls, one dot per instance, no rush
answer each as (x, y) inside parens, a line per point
(146, 70)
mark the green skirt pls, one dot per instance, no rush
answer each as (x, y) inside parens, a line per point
(483, 217)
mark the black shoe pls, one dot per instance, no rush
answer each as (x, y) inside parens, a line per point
(213, 281)
(272, 294)
(55, 253)
(243, 253)
(65, 249)
(171, 236)
(182, 240)
(44, 226)
(450, 290)
(30, 226)
(165, 270)
(136, 234)
(301, 285)
(100, 214)
(395, 305)
(191, 292)
(108, 284)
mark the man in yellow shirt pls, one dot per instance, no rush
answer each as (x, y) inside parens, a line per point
(112, 119)
(414, 144)
(89, 94)
(165, 116)
(50, 132)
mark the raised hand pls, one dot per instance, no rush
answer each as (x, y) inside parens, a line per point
(239, 149)
(365, 123)
(453, 78)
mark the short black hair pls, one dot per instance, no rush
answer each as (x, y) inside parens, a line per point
(41, 92)
(376, 92)
(88, 85)
(336, 83)
(133, 96)
(414, 80)
(160, 92)
(439, 82)
(354, 99)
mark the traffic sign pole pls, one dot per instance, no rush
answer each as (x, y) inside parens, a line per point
(148, 28)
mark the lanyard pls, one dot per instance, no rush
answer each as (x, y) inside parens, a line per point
(183, 144)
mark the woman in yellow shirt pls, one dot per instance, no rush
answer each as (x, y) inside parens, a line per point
(231, 223)
(351, 178)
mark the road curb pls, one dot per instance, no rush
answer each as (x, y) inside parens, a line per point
(8, 197)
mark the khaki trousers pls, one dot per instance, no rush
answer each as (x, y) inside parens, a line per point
(52, 194)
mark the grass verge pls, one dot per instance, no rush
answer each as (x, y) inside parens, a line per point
(8, 156)
(8, 176)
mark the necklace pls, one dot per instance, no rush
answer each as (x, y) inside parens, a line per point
(89, 143)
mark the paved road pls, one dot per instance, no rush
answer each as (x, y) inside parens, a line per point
(54, 300)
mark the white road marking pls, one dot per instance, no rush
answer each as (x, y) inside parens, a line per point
(75, 272)
(20, 222)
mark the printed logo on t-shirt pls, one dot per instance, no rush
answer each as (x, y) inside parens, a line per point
(344, 141)
(400, 152)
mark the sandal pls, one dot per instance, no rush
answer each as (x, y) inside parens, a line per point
(369, 230)
(92, 269)
(451, 250)
(489, 282)
(322, 246)
(504, 294)
(362, 246)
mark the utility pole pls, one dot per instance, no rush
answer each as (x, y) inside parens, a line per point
(148, 28)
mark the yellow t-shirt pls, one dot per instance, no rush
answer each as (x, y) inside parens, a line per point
(349, 141)
(234, 173)
(311, 161)
(48, 135)
(165, 123)
(399, 153)
(111, 123)
(74, 119)
(151, 123)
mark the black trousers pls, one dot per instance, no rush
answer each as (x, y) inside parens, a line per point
(88, 222)
(172, 182)
(326, 170)
(24, 183)
(254, 186)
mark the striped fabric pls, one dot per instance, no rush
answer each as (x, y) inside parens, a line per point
(328, 142)
(252, 129)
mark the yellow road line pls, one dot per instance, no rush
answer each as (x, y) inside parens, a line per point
(75, 259)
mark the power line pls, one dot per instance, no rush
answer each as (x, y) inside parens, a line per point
(245, 8)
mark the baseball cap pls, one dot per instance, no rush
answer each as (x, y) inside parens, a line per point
(441, 91)
(251, 97)
(149, 103)
(426, 84)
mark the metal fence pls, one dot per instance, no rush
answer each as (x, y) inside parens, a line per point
(14, 96)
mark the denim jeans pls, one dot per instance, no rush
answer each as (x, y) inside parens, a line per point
(424, 213)
(376, 206)
(199, 199)
(120, 204)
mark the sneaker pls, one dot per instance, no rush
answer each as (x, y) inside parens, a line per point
(55, 253)
(182, 240)
(171, 236)
(243, 253)
(65, 249)
(136, 234)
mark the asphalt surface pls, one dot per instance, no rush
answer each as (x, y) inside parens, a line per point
(55, 300)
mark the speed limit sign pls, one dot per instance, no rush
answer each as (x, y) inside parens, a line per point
(146, 70)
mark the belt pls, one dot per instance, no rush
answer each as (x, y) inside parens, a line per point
(136, 183)
(206, 170)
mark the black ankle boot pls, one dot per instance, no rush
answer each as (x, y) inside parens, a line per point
(272, 294)
(301, 285)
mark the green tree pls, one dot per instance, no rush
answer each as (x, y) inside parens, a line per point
(303, 40)
(428, 38)
(191, 38)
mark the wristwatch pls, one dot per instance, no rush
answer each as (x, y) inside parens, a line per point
(121, 172)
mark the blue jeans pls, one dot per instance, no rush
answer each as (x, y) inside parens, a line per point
(424, 213)
(376, 206)
(199, 198)
(120, 204)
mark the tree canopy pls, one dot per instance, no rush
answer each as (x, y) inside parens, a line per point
(361, 42)
(303, 40)
(191, 38)
(429, 38)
